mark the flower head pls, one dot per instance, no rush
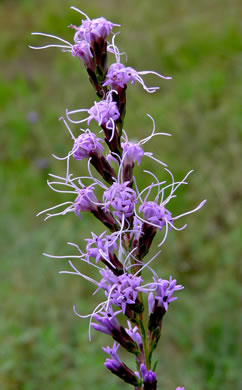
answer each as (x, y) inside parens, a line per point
(85, 201)
(118, 76)
(107, 322)
(113, 351)
(155, 214)
(82, 50)
(120, 290)
(132, 152)
(104, 112)
(122, 198)
(92, 30)
(97, 246)
(119, 368)
(149, 378)
(87, 144)
(164, 291)
(134, 334)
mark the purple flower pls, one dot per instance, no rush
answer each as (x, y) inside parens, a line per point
(86, 144)
(132, 153)
(104, 112)
(155, 214)
(89, 145)
(93, 30)
(134, 334)
(120, 290)
(122, 198)
(82, 51)
(85, 201)
(118, 76)
(164, 291)
(149, 378)
(99, 246)
(119, 368)
(180, 388)
(108, 322)
(113, 352)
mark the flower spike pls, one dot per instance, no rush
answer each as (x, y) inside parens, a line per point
(132, 309)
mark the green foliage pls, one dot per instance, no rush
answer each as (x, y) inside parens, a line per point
(43, 345)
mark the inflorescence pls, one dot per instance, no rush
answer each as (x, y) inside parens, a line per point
(132, 216)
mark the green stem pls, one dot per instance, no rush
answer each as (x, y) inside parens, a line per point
(144, 336)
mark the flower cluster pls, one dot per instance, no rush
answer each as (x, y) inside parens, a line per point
(112, 195)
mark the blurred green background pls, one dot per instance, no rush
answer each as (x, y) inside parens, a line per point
(43, 344)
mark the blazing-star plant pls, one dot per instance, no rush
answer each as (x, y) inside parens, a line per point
(131, 311)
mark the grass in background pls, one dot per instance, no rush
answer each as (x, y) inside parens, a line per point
(43, 345)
